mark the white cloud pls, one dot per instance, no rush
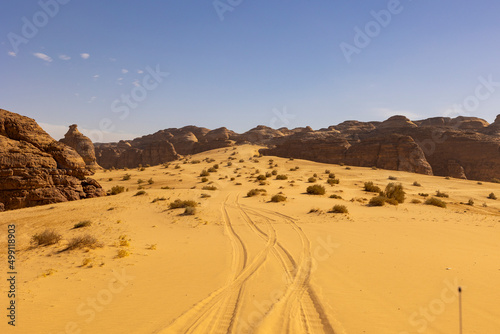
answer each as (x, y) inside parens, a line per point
(387, 112)
(85, 55)
(140, 71)
(92, 99)
(119, 79)
(42, 56)
(12, 53)
(136, 83)
(64, 57)
(96, 76)
(124, 71)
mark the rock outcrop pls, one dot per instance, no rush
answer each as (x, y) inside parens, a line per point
(81, 144)
(35, 169)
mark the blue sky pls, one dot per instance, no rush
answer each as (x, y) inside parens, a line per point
(241, 63)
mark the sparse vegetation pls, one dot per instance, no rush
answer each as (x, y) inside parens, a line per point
(126, 177)
(370, 187)
(395, 191)
(255, 192)
(157, 199)
(416, 184)
(204, 179)
(331, 181)
(46, 238)
(416, 201)
(441, 194)
(150, 181)
(335, 196)
(122, 253)
(423, 194)
(281, 177)
(261, 177)
(182, 204)
(84, 223)
(340, 209)
(205, 195)
(377, 201)
(189, 211)
(82, 241)
(204, 173)
(393, 178)
(316, 190)
(492, 196)
(116, 190)
(470, 202)
(436, 202)
(211, 188)
(311, 180)
(278, 198)
(140, 193)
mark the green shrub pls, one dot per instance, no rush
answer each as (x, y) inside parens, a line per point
(278, 198)
(46, 238)
(340, 209)
(395, 191)
(316, 190)
(370, 187)
(84, 223)
(440, 194)
(116, 190)
(492, 196)
(182, 204)
(436, 202)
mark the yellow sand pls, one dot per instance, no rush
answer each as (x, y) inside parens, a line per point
(246, 265)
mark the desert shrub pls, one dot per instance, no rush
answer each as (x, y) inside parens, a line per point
(391, 201)
(268, 174)
(255, 192)
(204, 179)
(204, 173)
(150, 181)
(281, 177)
(441, 194)
(370, 187)
(416, 201)
(261, 177)
(126, 177)
(331, 181)
(274, 172)
(423, 194)
(327, 171)
(157, 199)
(46, 238)
(314, 210)
(495, 180)
(166, 187)
(84, 223)
(311, 180)
(241, 160)
(216, 166)
(395, 191)
(195, 162)
(122, 253)
(377, 201)
(340, 209)
(140, 193)
(492, 196)
(189, 211)
(278, 198)
(348, 168)
(110, 179)
(331, 175)
(229, 164)
(182, 204)
(316, 190)
(211, 170)
(116, 190)
(470, 202)
(211, 188)
(140, 181)
(393, 178)
(335, 196)
(436, 202)
(374, 167)
(416, 184)
(176, 167)
(205, 195)
(82, 241)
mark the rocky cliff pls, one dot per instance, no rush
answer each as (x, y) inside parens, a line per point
(462, 147)
(35, 169)
(82, 145)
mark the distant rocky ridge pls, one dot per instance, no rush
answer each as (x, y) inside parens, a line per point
(462, 147)
(35, 169)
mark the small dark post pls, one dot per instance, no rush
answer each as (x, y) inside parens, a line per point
(460, 307)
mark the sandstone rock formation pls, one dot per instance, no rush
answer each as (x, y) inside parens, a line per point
(462, 147)
(81, 144)
(35, 169)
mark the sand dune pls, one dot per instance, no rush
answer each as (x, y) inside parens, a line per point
(247, 265)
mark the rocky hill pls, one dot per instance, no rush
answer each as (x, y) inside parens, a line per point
(462, 147)
(35, 169)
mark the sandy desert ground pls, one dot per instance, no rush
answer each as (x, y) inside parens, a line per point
(247, 265)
